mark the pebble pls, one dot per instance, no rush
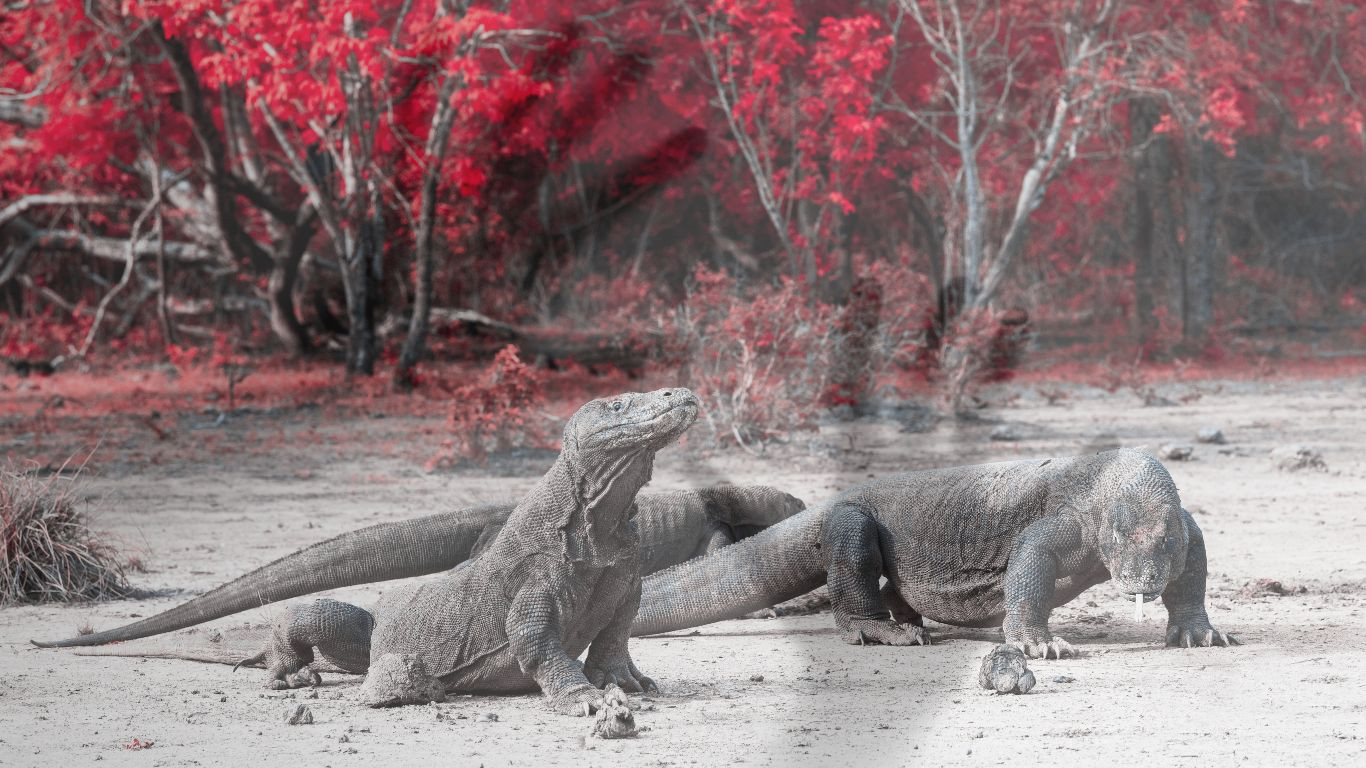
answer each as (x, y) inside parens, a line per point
(1292, 458)
(1213, 435)
(1176, 452)
(301, 715)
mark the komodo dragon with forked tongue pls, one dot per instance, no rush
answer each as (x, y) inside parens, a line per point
(674, 526)
(978, 546)
(562, 576)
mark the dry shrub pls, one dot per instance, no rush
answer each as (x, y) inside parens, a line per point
(47, 551)
(983, 346)
(760, 359)
(496, 413)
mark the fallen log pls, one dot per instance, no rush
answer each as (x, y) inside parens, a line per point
(550, 346)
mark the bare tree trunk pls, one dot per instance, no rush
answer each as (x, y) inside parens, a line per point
(163, 316)
(1202, 214)
(358, 281)
(284, 275)
(437, 142)
(1143, 116)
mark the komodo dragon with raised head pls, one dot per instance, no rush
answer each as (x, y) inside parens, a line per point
(978, 546)
(562, 576)
(674, 526)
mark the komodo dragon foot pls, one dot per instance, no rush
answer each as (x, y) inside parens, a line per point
(586, 700)
(882, 632)
(622, 674)
(1042, 644)
(1198, 634)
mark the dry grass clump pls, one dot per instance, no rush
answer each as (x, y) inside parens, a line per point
(47, 551)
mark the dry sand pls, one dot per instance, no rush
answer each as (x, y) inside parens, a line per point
(1293, 694)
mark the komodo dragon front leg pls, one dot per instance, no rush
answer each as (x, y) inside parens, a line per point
(1047, 568)
(1188, 625)
(609, 662)
(535, 637)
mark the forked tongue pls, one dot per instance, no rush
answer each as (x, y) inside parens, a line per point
(1138, 606)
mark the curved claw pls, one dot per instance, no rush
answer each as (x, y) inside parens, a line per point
(578, 702)
(627, 678)
(1045, 648)
(1183, 636)
(885, 633)
(624, 682)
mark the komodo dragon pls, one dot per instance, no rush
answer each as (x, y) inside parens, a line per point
(674, 526)
(968, 546)
(561, 577)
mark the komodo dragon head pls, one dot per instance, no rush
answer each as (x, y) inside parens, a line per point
(1142, 534)
(631, 422)
(610, 443)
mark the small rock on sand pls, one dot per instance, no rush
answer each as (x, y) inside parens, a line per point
(1292, 458)
(614, 720)
(1005, 670)
(1176, 452)
(300, 715)
(1213, 435)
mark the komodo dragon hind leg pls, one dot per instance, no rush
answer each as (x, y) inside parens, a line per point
(850, 539)
(902, 612)
(339, 631)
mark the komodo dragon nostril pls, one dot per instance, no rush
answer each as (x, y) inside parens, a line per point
(667, 393)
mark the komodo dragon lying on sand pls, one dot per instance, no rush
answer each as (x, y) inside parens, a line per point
(968, 546)
(562, 576)
(674, 526)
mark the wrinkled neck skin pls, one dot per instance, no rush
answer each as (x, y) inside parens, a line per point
(598, 527)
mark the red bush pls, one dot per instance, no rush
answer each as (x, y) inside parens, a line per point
(496, 413)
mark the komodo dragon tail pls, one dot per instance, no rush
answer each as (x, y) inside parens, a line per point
(375, 553)
(778, 564)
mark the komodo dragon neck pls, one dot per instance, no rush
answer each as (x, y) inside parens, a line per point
(594, 525)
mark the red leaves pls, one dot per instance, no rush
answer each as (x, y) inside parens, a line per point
(497, 412)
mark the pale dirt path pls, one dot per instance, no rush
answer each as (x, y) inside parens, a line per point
(1294, 694)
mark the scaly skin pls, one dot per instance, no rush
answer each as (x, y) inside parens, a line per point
(991, 545)
(674, 526)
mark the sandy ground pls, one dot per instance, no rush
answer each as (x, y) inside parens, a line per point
(1293, 694)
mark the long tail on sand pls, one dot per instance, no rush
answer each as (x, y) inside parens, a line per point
(778, 564)
(375, 553)
(225, 646)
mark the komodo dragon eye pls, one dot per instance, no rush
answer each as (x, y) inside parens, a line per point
(616, 405)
